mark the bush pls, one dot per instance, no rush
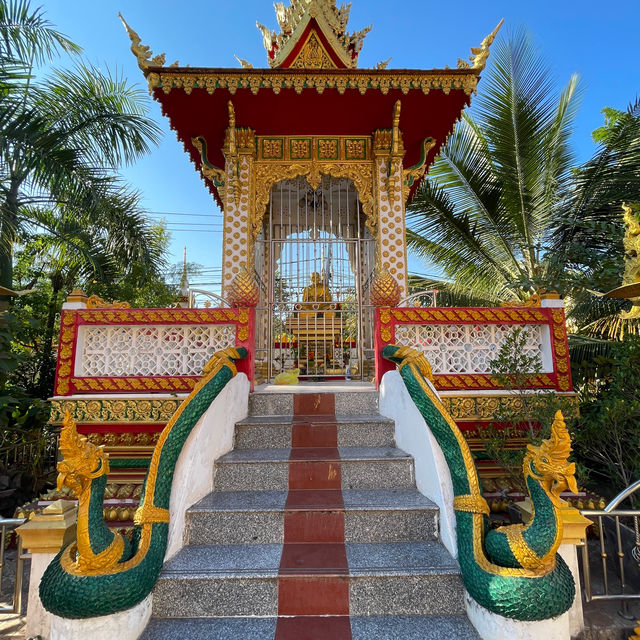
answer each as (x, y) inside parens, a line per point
(607, 433)
(529, 420)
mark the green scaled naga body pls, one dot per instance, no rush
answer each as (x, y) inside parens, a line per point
(102, 573)
(514, 571)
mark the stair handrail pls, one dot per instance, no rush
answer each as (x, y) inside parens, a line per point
(102, 573)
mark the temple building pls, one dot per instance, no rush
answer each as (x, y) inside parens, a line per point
(313, 161)
(302, 458)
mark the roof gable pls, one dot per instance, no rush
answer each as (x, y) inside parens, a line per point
(313, 35)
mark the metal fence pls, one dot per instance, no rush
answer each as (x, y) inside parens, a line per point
(40, 454)
(618, 543)
(8, 524)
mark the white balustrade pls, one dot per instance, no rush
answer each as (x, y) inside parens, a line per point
(469, 349)
(149, 350)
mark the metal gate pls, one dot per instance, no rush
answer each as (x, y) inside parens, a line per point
(317, 261)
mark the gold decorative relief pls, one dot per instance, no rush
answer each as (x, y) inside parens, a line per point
(328, 149)
(272, 148)
(257, 80)
(313, 55)
(267, 175)
(300, 149)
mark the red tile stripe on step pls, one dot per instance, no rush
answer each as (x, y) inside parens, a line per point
(313, 583)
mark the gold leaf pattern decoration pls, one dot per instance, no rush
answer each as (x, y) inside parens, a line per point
(244, 291)
(385, 290)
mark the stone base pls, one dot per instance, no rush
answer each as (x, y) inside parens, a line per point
(127, 625)
(491, 626)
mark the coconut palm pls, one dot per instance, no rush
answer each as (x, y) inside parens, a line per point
(76, 251)
(61, 136)
(486, 213)
(503, 212)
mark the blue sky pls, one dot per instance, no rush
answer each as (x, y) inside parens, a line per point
(597, 40)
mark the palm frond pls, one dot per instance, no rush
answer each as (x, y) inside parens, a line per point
(100, 113)
(27, 36)
(584, 349)
(449, 294)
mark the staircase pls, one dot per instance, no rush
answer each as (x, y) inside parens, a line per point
(315, 531)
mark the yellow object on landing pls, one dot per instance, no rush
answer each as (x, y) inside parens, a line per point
(287, 377)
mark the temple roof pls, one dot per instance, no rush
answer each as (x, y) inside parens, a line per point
(313, 36)
(312, 88)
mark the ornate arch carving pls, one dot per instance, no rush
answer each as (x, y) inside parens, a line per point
(269, 174)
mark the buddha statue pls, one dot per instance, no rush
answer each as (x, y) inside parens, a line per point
(316, 298)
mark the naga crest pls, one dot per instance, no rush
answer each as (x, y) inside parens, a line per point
(549, 462)
(83, 461)
(225, 357)
(414, 356)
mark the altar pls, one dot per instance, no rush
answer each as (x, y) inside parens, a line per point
(317, 326)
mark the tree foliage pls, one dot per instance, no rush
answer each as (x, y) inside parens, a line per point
(607, 433)
(62, 135)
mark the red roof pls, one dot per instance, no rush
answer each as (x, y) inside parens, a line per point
(309, 111)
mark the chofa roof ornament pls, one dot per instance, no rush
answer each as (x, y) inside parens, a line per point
(481, 53)
(321, 29)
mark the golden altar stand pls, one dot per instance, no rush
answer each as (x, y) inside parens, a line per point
(317, 334)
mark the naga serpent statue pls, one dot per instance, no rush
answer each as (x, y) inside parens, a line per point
(102, 573)
(513, 571)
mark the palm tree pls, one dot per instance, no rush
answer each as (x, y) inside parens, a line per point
(61, 137)
(75, 251)
(503, 212)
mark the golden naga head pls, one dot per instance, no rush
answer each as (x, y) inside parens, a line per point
(83, 461)
(549, 462)
(411, 356)
(224, 357)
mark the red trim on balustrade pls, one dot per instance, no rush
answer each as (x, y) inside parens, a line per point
(67, 383)
(313, 582)
(387, 319)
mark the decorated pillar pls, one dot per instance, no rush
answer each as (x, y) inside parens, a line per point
(388, 150)
(239, 153)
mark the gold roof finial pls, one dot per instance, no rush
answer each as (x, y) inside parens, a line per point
(481, 53)
(332, 21)
(395, 139)
(244, 63)
(142, 52)
(268, 36)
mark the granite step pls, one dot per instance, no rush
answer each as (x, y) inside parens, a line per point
(257, 517)
(280, 403)
(360, 468)
(362, 628)
(258, 432)
(385, 579)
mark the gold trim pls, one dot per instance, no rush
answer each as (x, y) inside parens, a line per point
(481, 53)
(68, 556)
(471, 504)
(150, 514)
(255, 80)
(481, 408)
(266, 175)
(474, 486)
(115, 411)
(94, 302)
(142, 52)
(313, 55)
(293, 22)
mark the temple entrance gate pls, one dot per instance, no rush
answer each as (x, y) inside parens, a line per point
(315, 259)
